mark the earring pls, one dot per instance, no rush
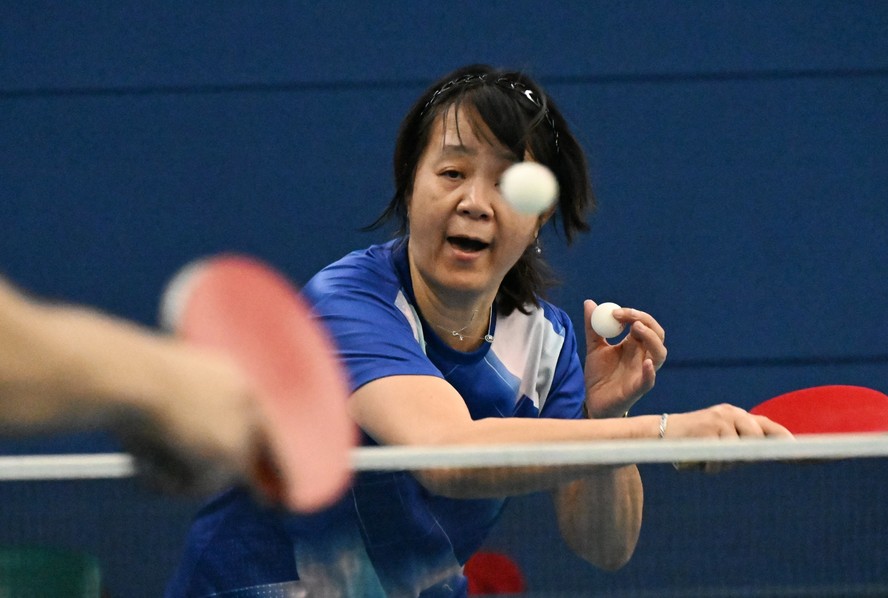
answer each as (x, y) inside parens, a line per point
(536, 247)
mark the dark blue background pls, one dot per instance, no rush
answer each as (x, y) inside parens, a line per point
(739, 151)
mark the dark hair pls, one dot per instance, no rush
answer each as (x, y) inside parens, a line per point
(523, 118)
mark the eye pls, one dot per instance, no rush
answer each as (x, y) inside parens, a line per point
(451, 174)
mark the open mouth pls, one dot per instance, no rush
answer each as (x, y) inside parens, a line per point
(467, 244)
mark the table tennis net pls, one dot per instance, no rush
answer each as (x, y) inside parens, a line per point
(788, 518)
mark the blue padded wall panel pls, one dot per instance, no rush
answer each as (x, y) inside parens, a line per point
(749, 217)
(61, 46)
(106, 196)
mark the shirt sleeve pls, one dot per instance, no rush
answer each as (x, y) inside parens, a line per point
(357, 300)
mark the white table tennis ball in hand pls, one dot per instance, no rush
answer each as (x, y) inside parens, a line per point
(603, 321)
(530, 187)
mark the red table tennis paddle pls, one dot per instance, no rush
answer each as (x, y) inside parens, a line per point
(252, 313)
(834, 409)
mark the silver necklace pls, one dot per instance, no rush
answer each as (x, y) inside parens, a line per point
(459, 333)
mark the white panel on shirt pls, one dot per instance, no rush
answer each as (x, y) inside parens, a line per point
(406, 308)
(529, 346)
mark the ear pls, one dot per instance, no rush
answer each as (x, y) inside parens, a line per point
(544, 218)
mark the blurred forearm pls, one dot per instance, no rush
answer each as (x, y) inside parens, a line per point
(69, 366)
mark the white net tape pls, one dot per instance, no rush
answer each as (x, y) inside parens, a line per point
(615, 452)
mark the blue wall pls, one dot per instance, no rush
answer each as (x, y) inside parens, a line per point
(739, 151)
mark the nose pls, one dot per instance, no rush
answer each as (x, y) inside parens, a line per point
(477, 201)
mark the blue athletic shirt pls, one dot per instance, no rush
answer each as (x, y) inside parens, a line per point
(388, 536)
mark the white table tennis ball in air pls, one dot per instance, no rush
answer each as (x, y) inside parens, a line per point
(603, 321)
(530, 187)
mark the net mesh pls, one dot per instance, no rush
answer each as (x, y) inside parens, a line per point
(799, 518)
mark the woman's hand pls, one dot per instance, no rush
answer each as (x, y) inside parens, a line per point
(720, 421)
(723, 421)
(618, 375)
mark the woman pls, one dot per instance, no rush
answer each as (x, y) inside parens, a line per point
(448, 341)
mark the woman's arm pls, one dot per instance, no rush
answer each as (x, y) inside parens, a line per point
(599, 507)
(425, 410)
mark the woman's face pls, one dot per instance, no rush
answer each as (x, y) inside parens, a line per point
(464, 237)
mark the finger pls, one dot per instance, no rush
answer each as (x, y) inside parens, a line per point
(715, 467)
(629, 315)
(592, 338)
(648, 376)
(747, 426)
(772, 428)
(651, 341)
